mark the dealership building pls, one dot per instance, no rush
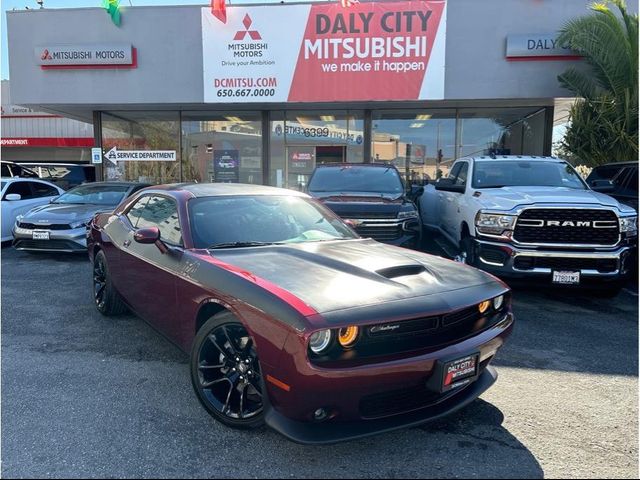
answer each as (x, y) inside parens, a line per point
(176, 94)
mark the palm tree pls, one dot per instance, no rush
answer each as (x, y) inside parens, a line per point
(604, 122)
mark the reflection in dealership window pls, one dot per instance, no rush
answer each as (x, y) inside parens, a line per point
(162, 212)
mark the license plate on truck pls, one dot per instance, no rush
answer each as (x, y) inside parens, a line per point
(566, 278)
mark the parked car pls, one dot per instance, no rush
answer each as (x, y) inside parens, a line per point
(290, 318)
(65, 175)
(11, 169)
(19, 195)
(371, 198)
(533, 218)
(61, 225)
(619, 180)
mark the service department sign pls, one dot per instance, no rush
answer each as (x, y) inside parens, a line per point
(95, 54)
(536, 45)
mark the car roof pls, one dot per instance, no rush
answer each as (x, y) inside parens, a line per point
(514, 157)
(227, 189)
(366, 165)
(117, 183)
(29, 179)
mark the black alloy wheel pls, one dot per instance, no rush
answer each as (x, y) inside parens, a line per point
(225, 372)
(107, 299)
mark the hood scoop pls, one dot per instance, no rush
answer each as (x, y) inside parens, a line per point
(401, 271)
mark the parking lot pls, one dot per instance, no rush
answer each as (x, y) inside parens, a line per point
(86, 396)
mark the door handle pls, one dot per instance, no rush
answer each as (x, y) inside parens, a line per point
(126, 243)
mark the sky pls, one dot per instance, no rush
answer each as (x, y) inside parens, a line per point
(21, 4)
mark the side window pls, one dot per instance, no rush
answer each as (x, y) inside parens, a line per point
(21, 188)
(461, 177)
(135, 211)
(162, 212)
(43, 190)
(454, 171)
(632, 184)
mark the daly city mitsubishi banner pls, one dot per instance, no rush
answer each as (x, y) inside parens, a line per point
(323, 52)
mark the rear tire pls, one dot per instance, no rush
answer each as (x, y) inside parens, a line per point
(108, 301)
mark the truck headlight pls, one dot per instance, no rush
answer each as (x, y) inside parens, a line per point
(494, 223)
(629, 225)
(407, 214)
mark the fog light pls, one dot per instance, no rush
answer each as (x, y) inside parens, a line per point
(348, 336)
(484, 306)
(320, 414)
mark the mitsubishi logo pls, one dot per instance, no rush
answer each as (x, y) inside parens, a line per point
(45, 55)
(254, 34)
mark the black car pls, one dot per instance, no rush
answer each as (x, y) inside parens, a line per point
(620, 180)
(371, 198)
(11, 169)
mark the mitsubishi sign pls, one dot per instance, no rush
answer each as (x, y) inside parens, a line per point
(85, 55)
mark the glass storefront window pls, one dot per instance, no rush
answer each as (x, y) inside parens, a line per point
(504, 131)
(222, 147)
(141, 131)
(302, 139)
(420, 143)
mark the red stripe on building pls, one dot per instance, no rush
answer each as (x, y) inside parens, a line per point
(47, 142)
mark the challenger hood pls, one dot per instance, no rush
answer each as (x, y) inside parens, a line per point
(506, 198)
(337, 275)
(57, 213)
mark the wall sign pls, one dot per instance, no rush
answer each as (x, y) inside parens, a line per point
(96, 155)
(370, 51)
(535, 45)
(114, 155)
(92, 55)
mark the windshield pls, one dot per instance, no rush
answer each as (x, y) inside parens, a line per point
(523, 173)
(94, 194)
(244, 220)
(353, 179)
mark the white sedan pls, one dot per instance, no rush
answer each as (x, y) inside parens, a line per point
(19, 195)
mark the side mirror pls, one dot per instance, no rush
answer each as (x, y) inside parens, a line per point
(447, 185)
(13, 197)
(415, 192)
(150, 235)
(603, 186)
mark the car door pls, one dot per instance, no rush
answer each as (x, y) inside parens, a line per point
(449, 211)
(148, 276)
(444, 198)
(29, 198)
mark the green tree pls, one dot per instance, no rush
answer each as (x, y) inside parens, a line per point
(604, 120)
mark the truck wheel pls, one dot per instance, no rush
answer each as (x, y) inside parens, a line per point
(467, 250)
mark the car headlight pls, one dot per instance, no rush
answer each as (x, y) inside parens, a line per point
(18, 218)
(629, 225)
(78, 224)
(494, 223)
(498, 302)
(320, 341)
(407, 214)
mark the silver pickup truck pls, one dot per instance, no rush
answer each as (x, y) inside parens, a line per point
(532, 217)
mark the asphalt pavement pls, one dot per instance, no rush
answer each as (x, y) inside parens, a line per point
(84, 396)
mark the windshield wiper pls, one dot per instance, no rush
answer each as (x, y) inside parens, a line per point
(240, 244)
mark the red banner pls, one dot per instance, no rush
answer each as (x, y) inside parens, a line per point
(371, 51)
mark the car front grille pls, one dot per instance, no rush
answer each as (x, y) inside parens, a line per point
(406, 400)
(577, 226)
(382, 232)
(53, 226)
(45, 245)
(602, 265)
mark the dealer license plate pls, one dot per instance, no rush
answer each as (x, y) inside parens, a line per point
(566, 278)
(459, 372)
(40, 235)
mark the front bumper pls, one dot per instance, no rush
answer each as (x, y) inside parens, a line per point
(506, 260)
(346, 393)
(73, 240)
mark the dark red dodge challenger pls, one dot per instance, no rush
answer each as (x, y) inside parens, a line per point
(293, 320)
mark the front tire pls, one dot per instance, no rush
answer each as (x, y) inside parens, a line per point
(467, 250)
(107, 299)
(226, 374)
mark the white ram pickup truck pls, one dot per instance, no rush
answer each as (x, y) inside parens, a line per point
(532, 217)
